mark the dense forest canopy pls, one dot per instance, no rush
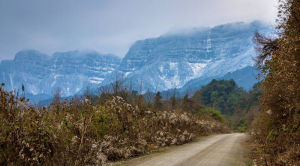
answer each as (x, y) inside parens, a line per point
(223, 94)
(238, 105)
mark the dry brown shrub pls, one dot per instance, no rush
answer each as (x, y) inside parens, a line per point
(79, 133)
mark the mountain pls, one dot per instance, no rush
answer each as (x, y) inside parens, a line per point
(184, 61)
(173, 60)
(245, 77)
(42, 74)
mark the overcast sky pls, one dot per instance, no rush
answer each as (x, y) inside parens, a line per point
(111, 26)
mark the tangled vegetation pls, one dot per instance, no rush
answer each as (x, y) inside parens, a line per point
(276, 131)
(94, 130)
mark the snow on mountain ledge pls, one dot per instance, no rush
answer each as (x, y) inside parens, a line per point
(70, 71)
(171, 60)
(95, 80)
(197, 69)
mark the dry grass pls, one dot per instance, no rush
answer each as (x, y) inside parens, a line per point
(79, 133)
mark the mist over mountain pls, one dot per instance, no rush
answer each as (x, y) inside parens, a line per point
(245, 78)
(178, 60)
(70, 71)
(182, 60)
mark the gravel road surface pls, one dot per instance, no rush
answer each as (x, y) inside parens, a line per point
(216, 150)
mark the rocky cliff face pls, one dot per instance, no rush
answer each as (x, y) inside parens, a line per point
(171, 61)
(69, 71)
(183, 61)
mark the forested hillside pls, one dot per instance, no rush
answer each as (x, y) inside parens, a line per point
(238, 105)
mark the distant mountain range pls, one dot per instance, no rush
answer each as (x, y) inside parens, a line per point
(184, 61)
(42, 74)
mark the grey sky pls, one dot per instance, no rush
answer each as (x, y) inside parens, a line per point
(111, 26)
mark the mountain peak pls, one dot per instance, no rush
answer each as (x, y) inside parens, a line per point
(171, 60)
(30, 55)
(70, 71)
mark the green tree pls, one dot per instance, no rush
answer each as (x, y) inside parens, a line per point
(224, 95)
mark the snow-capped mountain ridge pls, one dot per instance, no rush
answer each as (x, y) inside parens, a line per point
(173, 60)
(170, 61)
(70, 71)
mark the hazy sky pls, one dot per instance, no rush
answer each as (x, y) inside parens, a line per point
(111, 26)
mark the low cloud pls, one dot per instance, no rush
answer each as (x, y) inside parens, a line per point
(112, 26)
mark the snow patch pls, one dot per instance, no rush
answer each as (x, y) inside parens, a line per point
(173, 65)
(161, 69)
(171, 82)
(96, 80)
(33, 90)
(127, 73)
(208, 43)
(55, 77)
(11, 81)
(197, 69)
(77, 90)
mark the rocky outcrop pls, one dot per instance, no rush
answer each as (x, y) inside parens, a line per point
(70, 71)
(172, 60)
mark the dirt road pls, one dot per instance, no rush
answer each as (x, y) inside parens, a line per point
(222, 150)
